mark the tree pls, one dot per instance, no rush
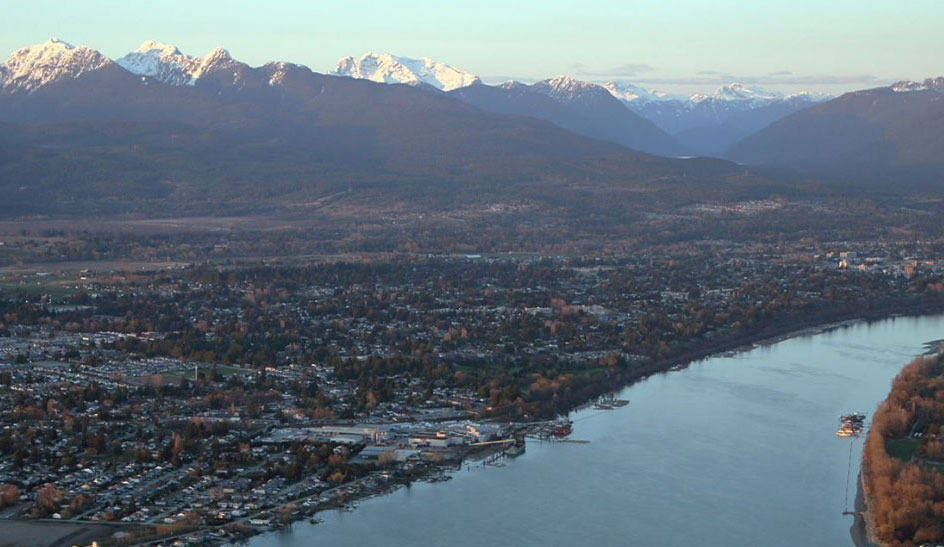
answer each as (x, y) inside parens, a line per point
(9, 495)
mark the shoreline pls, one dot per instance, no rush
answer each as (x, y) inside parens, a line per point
(862, 529)
(766, 339)
(434, 473)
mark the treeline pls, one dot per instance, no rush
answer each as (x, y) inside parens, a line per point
(904, 457)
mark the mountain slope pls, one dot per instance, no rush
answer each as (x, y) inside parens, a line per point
(901, 125)
(92, 137)
(581, 107)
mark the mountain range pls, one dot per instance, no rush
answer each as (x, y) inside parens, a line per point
(157, 130)
(617, 112)
(697, 124)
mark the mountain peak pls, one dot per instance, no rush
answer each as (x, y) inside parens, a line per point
(164, 62)
(31, 67)
(566, 89)
(392, 69)
(736, 91)
(512, 84)
(631, 93)
(159, 47)
(217, 54)
(160, 61)
(929, 84)
(563, 81)
(56, 42)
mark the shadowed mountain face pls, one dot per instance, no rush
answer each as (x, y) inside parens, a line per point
(901, 126)
(719, 126)
(581, 107)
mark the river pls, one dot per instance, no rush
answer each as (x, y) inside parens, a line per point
(733, 450)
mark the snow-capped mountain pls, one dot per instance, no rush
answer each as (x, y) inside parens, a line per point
(167, 64)
(627, 93)
(30, 68)
(620, 112)
(930, 84)
(565, 89)
(736, 92)
(386, 68)
(159, 61)
(710, 123)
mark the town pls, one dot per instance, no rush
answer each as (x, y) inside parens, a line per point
(205, 404)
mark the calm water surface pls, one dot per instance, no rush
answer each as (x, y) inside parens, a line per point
(732, 451)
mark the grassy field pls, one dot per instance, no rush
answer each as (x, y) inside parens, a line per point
(903, 449)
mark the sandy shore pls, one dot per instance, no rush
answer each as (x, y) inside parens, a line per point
(859, 529)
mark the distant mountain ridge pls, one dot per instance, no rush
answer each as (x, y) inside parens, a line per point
(898, 125)
(696, 124)
(166, 123)
(649, 121)
(581, 107)
(710, 124)
(172, 134)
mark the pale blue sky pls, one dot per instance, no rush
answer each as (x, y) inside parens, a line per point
(676, 45)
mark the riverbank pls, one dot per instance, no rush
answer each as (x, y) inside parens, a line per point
(765, 416)
(807, 325)
(763, 337)
(862, 530)
(664, 418)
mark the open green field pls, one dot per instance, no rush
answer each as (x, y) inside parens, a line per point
(903, 449)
